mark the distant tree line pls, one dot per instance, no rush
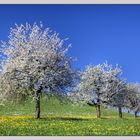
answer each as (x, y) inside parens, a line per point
(103, 85)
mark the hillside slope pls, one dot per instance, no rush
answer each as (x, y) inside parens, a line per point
(64, 119)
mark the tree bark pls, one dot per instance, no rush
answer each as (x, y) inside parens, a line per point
(38, 93)
(136, 115)
(37, 105)
(98, 110)
(120, 112)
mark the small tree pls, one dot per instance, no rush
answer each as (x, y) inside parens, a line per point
(132, 100)
(35, 59)
(97, 85)
(115, 93)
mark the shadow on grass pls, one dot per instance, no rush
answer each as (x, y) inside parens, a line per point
(72, 118)
(76, 118)
(65, 118)
(82, 119)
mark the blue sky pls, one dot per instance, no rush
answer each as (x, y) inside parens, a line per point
(97, 32)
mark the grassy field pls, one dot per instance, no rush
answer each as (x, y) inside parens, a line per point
(65, 119)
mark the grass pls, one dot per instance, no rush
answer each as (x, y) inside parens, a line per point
(65, 119)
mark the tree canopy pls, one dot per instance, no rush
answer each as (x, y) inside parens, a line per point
(35, 58)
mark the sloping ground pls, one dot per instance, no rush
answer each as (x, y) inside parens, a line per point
(52, 106)
(65, 119)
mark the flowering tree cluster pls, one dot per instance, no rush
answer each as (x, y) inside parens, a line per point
(35, 59)
(132, 98)
(102, 84)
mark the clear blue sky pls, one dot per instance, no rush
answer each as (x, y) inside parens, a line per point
(97, 32)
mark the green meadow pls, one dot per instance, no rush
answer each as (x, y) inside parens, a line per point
(64, 119)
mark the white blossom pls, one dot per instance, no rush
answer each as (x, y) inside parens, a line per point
(35, 56)
(132, 100)
(101, 81)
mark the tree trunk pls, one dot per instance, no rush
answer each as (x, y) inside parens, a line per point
(98, 110)
(120, 112)
(136, 114)
(37, 105)
(38, 93)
